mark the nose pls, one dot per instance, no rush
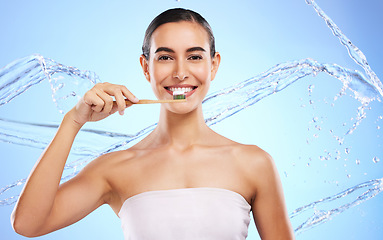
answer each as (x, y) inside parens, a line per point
(181, 71)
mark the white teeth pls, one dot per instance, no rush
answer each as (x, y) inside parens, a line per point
(185, 89)
(175, 93)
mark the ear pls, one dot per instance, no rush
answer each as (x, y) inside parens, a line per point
(145, 67)
(215, 65)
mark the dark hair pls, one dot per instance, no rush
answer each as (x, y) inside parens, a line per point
(177, 15)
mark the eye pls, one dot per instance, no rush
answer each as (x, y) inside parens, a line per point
(164, 58)
(195, 57)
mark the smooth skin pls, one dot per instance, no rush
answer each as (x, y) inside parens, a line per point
(182, 152)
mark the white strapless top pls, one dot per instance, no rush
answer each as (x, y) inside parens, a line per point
(187, 213)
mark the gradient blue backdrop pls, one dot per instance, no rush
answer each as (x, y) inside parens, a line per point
(252, 36)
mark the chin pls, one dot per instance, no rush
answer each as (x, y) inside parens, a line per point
(181, 108)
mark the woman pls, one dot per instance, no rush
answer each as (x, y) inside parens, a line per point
(183, 181)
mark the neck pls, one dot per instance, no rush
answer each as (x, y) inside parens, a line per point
(180, 130)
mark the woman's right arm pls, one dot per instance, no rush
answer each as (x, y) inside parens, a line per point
(44, 205)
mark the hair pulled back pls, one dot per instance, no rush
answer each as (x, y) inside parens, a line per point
(176, 15)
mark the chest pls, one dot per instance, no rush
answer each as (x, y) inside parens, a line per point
(186, 169)
(160, 170)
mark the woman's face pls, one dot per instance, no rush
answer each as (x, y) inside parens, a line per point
(180, 59)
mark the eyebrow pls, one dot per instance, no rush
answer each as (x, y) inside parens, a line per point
(195, 49)
(192, 49)
(164, 49)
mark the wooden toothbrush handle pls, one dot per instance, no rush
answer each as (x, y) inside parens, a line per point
(148, 101)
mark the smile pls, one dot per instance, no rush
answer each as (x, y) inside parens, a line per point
(184, 89)
(188, 90)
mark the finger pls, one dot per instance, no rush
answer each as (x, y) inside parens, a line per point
(116, 91)
(93, 101)
(107, 99)
(130, 96)
(120, 102)
(116, 108)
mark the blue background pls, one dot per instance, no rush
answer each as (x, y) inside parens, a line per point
(252, 36)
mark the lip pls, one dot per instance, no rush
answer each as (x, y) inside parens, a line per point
(181, 86)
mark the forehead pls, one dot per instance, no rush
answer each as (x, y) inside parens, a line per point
(180, 34)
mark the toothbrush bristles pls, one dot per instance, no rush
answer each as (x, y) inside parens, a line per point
(179, 95)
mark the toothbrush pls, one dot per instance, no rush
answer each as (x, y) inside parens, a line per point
(178, 96)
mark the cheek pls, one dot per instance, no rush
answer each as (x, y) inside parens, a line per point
(160, 72)
(202, 73)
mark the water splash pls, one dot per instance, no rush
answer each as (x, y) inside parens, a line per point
(321, 211)
(353, 51)
(37, 135)
(220, 105)
(68, 83)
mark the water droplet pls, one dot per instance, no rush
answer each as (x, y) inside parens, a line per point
(310, 89)
(378, 127)
(341, 140)
(335, 98)
(376, 160)
(308, 164)
(357, 161)
(347, 150)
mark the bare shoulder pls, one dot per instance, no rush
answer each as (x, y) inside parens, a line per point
(251, 158)
(256, 164)
(252, 155)
(102, 164)
(244, 152)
